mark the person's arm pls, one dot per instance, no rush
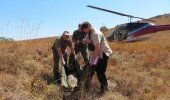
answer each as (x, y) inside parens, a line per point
(86, 39)
(61, 56)
(97, 43)
(74, 37)
(58, 45)
(73, 52)
(95, 53)
(72, 49)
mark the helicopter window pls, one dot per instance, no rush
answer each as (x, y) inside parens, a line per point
(132, 26)
(120, 34)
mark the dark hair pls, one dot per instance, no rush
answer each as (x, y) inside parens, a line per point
(65, 32)
(79, 25)
(85, 25)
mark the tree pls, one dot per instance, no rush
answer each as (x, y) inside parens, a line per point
(103, 28)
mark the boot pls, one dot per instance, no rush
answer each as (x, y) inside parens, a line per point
(103, 90)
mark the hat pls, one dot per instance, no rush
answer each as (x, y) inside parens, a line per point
(66, 33)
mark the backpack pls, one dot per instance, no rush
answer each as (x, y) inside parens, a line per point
(91, 46)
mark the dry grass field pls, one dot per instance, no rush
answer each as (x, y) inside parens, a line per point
(136, 71)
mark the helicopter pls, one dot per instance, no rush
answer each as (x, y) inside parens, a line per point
(132, 31)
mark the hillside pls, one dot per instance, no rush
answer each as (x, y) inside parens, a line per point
(136, 71)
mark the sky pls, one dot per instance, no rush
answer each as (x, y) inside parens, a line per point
(29, 19)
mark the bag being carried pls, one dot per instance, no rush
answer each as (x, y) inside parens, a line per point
(91, 46)
(95, 60)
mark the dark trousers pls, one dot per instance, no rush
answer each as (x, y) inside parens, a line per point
(100, 69)
(56, 58)
(84, 52)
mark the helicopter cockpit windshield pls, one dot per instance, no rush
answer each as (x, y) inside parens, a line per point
(119, 33)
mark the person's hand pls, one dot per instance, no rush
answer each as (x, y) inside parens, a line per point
(63, 62)
(91, 63)
(75, 57)
(85, 41)
(77, 42)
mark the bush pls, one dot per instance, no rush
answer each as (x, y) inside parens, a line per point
(103, 28)
(6, 39)
(10, 63)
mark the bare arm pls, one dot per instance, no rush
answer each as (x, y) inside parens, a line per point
(72, 50)
(61, 55)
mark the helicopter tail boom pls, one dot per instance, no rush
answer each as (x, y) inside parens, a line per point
(162, 27)
(150, 29)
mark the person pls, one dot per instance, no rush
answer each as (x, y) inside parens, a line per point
(79, 46)
(59, 53)
(101, 50)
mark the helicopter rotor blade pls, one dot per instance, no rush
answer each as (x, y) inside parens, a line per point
(121, 14)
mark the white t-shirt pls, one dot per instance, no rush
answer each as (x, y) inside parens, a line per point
(98, 37)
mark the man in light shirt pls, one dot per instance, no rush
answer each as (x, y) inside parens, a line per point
(101, 51)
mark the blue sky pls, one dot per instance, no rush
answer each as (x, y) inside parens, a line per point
(26, 19)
